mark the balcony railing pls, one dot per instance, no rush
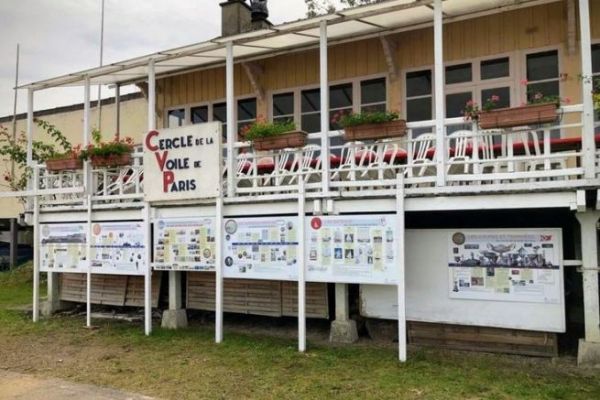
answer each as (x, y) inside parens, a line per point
(475, 161)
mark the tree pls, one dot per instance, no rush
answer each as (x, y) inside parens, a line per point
(318, 7)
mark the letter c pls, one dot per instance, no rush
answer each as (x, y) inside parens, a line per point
(149, 137)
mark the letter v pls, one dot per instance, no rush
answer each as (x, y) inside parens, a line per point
(161, 159)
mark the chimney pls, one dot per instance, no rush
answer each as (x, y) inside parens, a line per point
(236, 17)
(260, 13)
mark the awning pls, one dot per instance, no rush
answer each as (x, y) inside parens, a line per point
(370, 20)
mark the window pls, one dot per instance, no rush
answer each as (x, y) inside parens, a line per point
(310, 117)
(246, 113)
(283, 107)
(543, 74)
(199, 115)
(459, 74)
(373, 95)
(176, 118)
(340, 101)
(493, 69)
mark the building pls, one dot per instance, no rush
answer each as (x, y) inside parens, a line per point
(494, 209)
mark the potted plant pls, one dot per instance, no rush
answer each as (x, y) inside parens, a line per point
(273, 135)
(108, 154)
(67, 161)
(371, 125)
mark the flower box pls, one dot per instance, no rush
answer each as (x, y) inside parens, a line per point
(64, 164)
(532, 114)
(280, 141)
(375, 131)
(113, 160)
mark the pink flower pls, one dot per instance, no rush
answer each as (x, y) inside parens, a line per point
(524, 82)
(470, 103)
(495, 98)
(567, 100)
(538, 96)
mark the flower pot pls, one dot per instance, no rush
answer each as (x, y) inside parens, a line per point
(282, 141)
(532, 114)
(383, 130)
(64, 164)
(113, 160)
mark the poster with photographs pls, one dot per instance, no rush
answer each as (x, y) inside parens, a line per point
(118, 248)
(63, 248)
(506, 265)
(261, 248)
(184, 244)
(352, 249)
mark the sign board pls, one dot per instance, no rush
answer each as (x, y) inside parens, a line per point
(261, 248)
(118, 248)
(523, 266)
(63, 248)
(184, 244)
(183, 163)
(352, 249)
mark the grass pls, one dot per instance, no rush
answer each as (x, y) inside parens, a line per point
(186, 364)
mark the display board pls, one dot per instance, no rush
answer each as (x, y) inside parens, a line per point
(261, 248)
(118, 248)
(508, 266)
(352, 249)
(63, 247)
(184, 244)
(183, 163)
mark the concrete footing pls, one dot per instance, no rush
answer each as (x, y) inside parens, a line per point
(588, 354)
(343, 331)
(174, 319)
(47, 308)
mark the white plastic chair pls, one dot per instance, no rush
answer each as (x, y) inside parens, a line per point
(531, 137)
(302, 165)
(423, 145)
(458, 163)
(346, 171)
(380, 168)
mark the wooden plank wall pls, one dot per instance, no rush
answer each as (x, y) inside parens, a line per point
(256, 297)
(113, 290)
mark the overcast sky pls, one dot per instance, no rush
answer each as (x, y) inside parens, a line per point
(62, 36)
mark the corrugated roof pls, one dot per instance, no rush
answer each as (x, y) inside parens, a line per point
(366, 20)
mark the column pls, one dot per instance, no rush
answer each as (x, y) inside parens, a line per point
(323, 72)
(440, 113)
(175, 317)
(587, 134)
(343, 329)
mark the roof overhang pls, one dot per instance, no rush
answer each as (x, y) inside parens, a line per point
(371, 20)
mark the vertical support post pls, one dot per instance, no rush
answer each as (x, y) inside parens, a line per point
(88, 257)
(14, 242)
(30, 127)
(440, 114)
(589, 249)
(301, 270)
(148, 271)
(151, 96)
(229, 93)
(36, 251)
(324, 75)
(219, 270)
(118, 111)
(87, 177)
(400, 236)
(587, 136)
(86, 132)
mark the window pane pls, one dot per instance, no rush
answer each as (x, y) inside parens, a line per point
(283, 119)
(337, 113)
(596, 58)
(283, 104)
(497, 68)
(459, 73)
(455, 104)
(418, 109)
(373, 108)
(311, 123)
(311, 100)
(545, 88)
(542, 66)
(418, 83)
(199, 114)
(372, 91)
(340, 96)
(176, 118)
(246, 109)
(502, 93)
(220, 112)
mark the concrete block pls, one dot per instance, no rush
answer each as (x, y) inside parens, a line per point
(588, 354)
(174, 319)
(47, 308)
(343, 331)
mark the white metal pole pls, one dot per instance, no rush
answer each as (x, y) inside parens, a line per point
(36, 250)
(323, 72)
(400, 237)
(30, 127)
(88, 252)
(87, 179)
(151, 96)
(101, 63)
(301, 270)
(229, 93)
(219, 270)
(118, 111)
(15, 99)
(438, 46)
(148, 271)
(587, 136)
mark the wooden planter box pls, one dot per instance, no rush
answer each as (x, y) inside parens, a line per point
(375, 131)
(66, 164)
(533, 114)
(112, 160)
(278, 142)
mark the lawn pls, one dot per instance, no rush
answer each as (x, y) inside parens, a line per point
(186, 364)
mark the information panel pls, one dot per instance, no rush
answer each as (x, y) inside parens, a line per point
(118, 248)
(261, 248)
(522, 266)
(184, 244)
(352, 249)
(63, 247)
